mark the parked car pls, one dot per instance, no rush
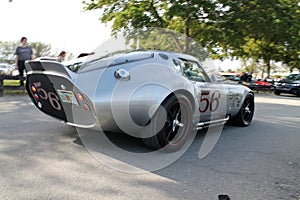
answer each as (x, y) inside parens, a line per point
(290, 85)
(250, 84)
(292, 77)
(6, 69)
(231, 77)
(127, 92)
(264, 85)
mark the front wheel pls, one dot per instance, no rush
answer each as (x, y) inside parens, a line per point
(171, 124)
(296, 92)
(277, 92)
(245, 115)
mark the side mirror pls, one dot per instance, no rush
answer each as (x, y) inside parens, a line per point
(213, 78)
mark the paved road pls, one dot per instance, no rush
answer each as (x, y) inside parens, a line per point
(41, 158)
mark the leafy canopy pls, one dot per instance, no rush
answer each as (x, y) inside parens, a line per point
(267, 30)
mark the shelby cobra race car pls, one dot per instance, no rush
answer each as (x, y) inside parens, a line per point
(155, 95)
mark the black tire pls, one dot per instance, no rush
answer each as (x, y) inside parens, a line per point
(172, 124)
(245, 114)
(277, 92)
(295, 92)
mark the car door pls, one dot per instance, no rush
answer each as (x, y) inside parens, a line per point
(211, 97)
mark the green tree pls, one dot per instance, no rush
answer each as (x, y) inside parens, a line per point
(291, 49)
(7, 50)
(262, 30)
(41, 49)
(192, 18)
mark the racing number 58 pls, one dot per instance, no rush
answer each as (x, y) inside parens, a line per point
(211, 102)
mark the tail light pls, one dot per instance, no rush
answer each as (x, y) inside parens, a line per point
(86, 107)
(80, 97)
(33, 89)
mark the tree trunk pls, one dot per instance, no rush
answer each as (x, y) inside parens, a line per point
(268, 68)
(175, 39)
(263, 71)
(187, 35)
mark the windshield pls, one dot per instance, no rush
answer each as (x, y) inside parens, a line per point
(3, 66)
(139, 40)
(293, 77)
(83, 62)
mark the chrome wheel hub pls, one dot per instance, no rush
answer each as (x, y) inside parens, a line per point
(176, 123)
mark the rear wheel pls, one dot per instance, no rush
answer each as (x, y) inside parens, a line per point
(171, 124)
(245, 115)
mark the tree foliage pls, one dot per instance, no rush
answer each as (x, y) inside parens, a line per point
(192, 17)
(267, 30)
(8, 49)
(41, 49)
(263, 30)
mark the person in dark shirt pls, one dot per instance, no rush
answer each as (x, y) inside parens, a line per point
(244, 76)
(249, 77)
(23, 53)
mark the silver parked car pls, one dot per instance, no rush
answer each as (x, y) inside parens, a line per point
(6, 69)
(156, 95)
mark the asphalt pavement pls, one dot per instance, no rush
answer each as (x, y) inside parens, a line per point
(41, 158)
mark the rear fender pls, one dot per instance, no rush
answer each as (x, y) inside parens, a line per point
(145, 101)
(51, 89)
(48, 67)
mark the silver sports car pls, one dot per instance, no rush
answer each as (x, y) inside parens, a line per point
(155, 95)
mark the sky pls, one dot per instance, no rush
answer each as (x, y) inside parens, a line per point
(61, 23)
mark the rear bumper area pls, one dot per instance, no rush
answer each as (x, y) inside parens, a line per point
(53, 93)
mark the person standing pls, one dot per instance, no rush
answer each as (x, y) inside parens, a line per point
(61, 56)
(23, 53)
(249, 77)
(244, 76)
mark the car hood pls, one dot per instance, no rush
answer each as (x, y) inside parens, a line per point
(296, 82)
